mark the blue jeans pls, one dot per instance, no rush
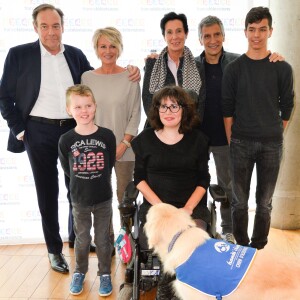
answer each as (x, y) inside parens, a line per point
(82, 226)
(222, 162)
(267, 157)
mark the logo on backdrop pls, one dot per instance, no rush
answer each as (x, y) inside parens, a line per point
(8, 163)
(15, 24)
(111, 5)
(78, 24)
(158, 5)
(131, 24)
(220, 5)
(9, 199)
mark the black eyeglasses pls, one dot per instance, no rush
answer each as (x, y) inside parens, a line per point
(174, 108)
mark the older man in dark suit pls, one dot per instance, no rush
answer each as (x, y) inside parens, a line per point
(32, 100)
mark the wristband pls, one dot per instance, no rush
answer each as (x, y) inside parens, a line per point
(128, 145)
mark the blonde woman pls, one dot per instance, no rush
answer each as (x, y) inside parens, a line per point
(118, 98)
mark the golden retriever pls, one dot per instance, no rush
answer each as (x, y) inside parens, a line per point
(270, 276)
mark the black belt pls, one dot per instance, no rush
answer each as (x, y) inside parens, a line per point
(57, 122)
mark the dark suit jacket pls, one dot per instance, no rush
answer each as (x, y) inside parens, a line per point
(20, 85)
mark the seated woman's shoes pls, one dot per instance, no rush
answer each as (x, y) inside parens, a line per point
(58, 263)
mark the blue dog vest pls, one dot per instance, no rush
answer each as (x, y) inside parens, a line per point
(216, 268)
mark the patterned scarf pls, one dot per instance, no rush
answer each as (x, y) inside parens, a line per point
(190, 74)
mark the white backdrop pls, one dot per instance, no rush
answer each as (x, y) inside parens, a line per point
(138, 20)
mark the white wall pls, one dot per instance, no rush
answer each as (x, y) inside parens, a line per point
(285, 39)
(138, 20)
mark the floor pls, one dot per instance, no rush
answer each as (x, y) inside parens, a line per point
(25, 272)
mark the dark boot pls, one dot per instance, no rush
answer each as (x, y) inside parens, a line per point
(165, 289)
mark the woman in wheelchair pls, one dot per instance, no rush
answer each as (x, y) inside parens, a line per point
(171, 163)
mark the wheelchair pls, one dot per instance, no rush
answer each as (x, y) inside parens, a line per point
(142, 272)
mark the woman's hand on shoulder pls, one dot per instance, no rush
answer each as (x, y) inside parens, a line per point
(275, 56)
(152, 55)
(134, 73)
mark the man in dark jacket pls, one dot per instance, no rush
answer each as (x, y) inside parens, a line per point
(214, 59)
(32, 101)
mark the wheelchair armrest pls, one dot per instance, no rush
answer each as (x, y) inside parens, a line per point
(128, 204)
(217, 193)
(131, 190)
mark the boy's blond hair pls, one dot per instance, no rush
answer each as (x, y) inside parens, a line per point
(78, 89)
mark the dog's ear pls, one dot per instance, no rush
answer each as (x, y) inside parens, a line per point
(185, 219)
(156, 222)
(152, 234)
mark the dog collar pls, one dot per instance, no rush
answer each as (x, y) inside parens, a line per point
(175, 237)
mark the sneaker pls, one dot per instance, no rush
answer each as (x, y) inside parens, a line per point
(228, 237)
(76, 286)
(105, 285)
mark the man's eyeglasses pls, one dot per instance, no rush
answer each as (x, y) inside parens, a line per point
(174, 108)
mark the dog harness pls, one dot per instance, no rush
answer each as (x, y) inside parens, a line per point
(216, 268)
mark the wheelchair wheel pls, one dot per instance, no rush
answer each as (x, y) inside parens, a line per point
(125, 292)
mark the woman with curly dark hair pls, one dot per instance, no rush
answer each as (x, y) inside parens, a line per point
(171, 162)
(172, 156)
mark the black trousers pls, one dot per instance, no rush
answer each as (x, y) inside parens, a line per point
(41, 143)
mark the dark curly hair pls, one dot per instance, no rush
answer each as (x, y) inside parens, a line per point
(189, 119)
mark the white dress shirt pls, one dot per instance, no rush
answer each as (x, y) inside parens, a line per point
(55, 79)
(173, 67)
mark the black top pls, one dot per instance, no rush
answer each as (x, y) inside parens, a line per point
(258, 94)
(213, 124)
(173, 171)
(88, 161)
